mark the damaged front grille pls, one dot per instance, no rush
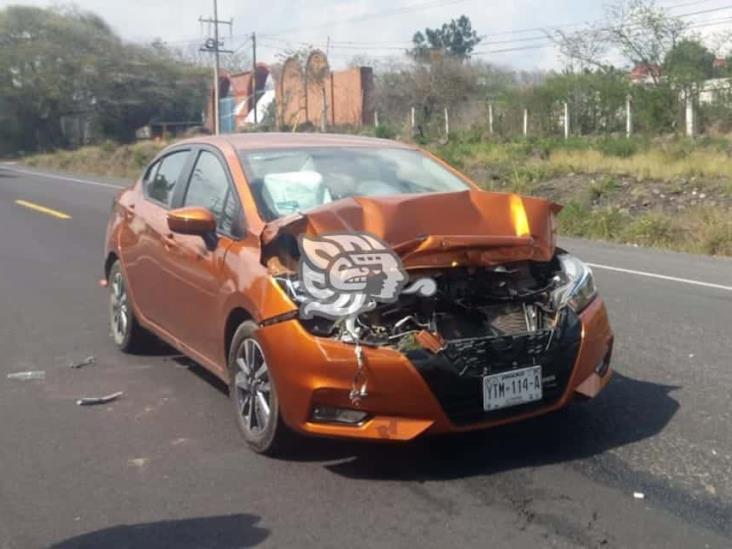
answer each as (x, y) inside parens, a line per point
(489, 355)
(455, 375)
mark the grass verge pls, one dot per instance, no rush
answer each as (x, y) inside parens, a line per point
(107, 159)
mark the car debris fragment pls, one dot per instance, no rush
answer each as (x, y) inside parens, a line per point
(28, 376)
(88, 361)
(92, 401)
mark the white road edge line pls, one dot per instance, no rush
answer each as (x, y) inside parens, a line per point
(61, 177)
(662, 277)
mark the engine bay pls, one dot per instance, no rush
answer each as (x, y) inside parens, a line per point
(470, 302)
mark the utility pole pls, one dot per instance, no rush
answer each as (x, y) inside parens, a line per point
(254, 74)
(213, 45)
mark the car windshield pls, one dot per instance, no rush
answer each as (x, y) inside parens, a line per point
(286, 181)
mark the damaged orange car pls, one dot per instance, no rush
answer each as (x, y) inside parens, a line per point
(426, 306)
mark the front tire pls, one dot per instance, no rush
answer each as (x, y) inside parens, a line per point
(126, 331)
(254, 395)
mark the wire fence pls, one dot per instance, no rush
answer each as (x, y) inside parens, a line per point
(565, 119)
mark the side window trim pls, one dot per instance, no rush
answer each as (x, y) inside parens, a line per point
(151, 170)
(156, 165)
(232, 191)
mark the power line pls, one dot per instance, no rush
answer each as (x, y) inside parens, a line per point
(396, 44)
(377, 15)
(548, 43)
(376, 46)
(551, 43)
(545, 42)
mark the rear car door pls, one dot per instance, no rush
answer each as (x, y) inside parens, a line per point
(198, 280)
(144, 251)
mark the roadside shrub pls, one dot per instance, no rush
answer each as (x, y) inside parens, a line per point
(602, 188)
(142, 156)
(573, 218)
(709, 230)
(621, 148)
(578, 219)
(385, 132)
(652, 229)
(108, 146)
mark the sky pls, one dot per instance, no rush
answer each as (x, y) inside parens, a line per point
(378, 29)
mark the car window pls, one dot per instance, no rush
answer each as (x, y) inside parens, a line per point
(209, 188)
(161, 179)
(298, 180)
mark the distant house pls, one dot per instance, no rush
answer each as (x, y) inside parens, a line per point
(710, 91)
(715, 90)
(645, 73)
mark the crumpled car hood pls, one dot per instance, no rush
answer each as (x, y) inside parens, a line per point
(442, 229)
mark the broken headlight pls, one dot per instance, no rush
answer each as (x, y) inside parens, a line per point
(294, 290)
(576, 284)
(292, 287)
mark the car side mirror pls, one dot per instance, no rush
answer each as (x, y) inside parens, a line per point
(195, 221)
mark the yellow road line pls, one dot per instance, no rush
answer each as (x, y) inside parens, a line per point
(42, 209)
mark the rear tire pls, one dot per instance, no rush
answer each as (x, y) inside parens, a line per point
(126, 331)
(254, 395)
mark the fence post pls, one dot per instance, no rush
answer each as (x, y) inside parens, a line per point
(566, 120)
(689, 116)
(447, 123)
(490, 118)
(412, 117)
(376, 119)
(628, 117)
(526, 122)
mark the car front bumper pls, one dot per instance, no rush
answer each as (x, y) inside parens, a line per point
(402, 403)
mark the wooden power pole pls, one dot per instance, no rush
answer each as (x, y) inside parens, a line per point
(213, 45)
(254, 75)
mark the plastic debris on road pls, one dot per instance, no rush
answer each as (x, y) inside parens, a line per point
(88, 361)
(28, 376)
(639, 495)
(92, 401)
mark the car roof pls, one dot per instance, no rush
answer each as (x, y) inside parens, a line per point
(259, 141)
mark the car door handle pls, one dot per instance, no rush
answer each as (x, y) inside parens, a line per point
(169, 242)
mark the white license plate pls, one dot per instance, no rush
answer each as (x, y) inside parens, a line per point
(511, 388)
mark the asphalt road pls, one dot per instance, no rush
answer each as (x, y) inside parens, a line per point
(164, 466)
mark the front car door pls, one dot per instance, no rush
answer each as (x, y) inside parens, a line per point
(198, 282)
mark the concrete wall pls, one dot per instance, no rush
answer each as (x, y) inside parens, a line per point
(348, 95)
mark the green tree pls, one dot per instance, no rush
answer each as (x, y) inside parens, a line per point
(455, 39)
(689, 62)
(62, 64)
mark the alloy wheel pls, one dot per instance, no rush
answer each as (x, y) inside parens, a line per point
(253, 389)
(120, 309)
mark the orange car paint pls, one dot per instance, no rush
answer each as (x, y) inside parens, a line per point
(188, 294)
